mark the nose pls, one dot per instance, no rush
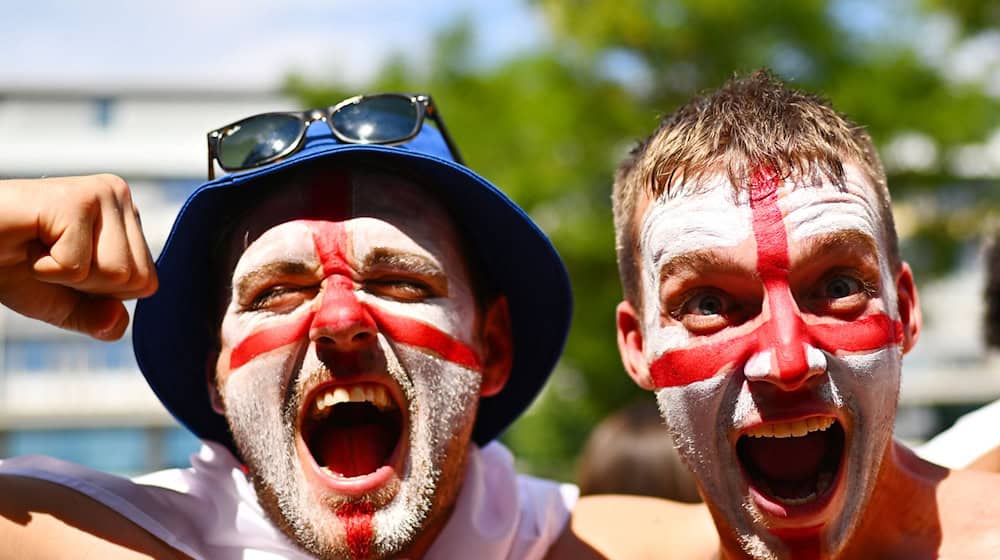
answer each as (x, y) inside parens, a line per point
(342, 323)
(787, 358)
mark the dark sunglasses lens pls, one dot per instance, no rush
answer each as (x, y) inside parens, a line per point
(258, 140)
(377, 120)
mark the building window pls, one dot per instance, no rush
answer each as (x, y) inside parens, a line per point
(116, 450)
(68, 355)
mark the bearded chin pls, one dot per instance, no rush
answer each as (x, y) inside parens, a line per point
(262, 409)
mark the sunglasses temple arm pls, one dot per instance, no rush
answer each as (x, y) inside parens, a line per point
(211, 167)
(439, 121)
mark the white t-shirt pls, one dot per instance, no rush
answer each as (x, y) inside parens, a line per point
(210, 511)
(971, 436)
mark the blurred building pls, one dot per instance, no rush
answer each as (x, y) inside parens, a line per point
(64, 394)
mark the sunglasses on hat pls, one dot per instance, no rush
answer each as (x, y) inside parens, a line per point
(384, 118)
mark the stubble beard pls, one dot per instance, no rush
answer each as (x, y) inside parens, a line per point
(872, 384)
(442, 401)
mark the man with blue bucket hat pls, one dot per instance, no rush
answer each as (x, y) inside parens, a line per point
(381, 307)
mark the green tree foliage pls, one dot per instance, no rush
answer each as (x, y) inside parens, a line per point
(550, 125)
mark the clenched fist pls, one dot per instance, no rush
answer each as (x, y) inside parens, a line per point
(71, 249)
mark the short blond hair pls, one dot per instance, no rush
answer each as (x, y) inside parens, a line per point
(747, 123)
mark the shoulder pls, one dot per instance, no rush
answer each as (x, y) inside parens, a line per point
(42, 519)
(618, 526)
(969, 514)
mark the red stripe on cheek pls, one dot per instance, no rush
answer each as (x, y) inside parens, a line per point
(689, 365)
(415, 333)
(867, 333)
(357, 520)
(269, 339)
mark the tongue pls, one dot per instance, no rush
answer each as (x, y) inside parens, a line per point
(352, 450)
(787, 459)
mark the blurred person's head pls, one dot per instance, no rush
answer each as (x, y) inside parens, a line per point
(991, 322)
(373, 328)
(630, 452)
(767, 306)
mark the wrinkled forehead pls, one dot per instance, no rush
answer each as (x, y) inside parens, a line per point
(341, 195)
(714, 214)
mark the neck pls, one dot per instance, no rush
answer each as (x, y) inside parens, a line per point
(903, 513)
(427, 537)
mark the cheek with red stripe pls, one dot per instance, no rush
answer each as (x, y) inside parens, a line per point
(784, 333)
(340, 307)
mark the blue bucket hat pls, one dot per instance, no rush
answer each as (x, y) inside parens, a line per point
(175, 331)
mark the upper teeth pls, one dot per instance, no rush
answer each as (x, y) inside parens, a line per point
(791, 429)
(364, 392)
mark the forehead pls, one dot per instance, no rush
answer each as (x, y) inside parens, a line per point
(379, 209)
(715, 214)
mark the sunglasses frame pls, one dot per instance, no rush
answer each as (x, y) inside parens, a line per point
(423, 102)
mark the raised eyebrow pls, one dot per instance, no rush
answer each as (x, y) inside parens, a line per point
(698, 262)
(254, 277)
(819, 245)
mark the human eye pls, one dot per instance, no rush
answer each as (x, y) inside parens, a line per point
(842, 293)
(705, 311)
(280, 298)
(400, 288)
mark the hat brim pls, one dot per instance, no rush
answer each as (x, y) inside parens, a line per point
(173, 329)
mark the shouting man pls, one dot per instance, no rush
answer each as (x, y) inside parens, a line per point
(767, 305)
(347, 319)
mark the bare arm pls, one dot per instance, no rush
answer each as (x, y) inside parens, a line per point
(71, 249)
(43, 520)
(636, 527)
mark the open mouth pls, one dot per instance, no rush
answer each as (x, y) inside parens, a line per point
(352, 430)
(793, 463)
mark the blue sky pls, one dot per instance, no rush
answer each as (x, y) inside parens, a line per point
(237, 42)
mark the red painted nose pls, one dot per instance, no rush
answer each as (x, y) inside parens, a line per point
(786, 336)
(341, 320)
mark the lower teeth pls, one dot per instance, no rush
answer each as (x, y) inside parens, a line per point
(823, 482)
(797, 501)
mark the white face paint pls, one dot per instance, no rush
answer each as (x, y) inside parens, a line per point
(374, 297)
(769, 316)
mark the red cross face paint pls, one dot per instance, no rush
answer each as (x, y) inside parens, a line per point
(349, 369)
(771, 333)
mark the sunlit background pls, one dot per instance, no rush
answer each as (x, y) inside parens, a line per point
(543, 98)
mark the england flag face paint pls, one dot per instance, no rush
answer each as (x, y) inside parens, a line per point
(350, 368)
(771, 332)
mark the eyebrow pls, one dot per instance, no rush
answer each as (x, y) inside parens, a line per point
(384, 257)
(818, 246)
(699, 262)
(271, 270)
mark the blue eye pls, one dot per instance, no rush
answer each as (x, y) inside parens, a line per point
(709, 304)
(839, 287)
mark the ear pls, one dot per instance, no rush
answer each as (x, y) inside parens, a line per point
(498, 348)
(909, 307)
(630, 345)
(211, 366)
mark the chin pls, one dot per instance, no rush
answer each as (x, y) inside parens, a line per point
(357, 469)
